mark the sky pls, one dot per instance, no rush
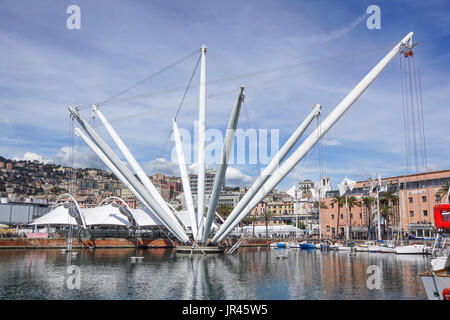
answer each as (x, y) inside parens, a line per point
(311, 51)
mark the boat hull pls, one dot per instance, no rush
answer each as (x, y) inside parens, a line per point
(307, 246)
(374, 248)
(435, 285)
(387, 250)
(414, 249)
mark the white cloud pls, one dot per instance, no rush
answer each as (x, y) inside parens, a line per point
(235, 177)
(79, 159)
(161, 165)
(331, 142)
(338, 33)
(31, 156)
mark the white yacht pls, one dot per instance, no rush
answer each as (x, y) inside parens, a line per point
(374, 248)
(364, 247)
(412, 249)
(388, 247)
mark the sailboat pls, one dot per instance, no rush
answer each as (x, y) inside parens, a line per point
(388, 247)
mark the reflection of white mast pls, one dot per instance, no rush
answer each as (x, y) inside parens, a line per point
(317, 134)
(201, 140)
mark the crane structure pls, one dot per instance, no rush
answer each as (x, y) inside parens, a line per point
(200, 218)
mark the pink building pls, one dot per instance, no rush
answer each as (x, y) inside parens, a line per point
(412, 212)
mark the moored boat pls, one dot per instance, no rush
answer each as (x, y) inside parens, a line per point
(436, 281)
(387, 249)
(374, 248)
(412, 249)
(306, 245)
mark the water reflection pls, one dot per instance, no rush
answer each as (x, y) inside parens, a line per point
(251, 273)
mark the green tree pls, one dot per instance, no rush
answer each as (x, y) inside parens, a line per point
(224, 211)
(388, 201)
(367, 203)
(351, 203)
(267, 215)
(340, 201)
(251, 220)
(322, 205)
(443, 191)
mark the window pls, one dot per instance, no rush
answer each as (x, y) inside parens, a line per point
(328, 228)
(425, 213)
(424, 198)
(411, 213)
(360, 215)
(332, 217)
(410, 199)
(342, 216)
(332, 205)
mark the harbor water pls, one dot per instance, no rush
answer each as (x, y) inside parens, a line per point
(250, 273)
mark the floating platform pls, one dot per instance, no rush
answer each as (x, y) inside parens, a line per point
(206, 249)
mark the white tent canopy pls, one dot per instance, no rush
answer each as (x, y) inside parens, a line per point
(105, 215)
(145, 218)
(58, 216)
(108, 215)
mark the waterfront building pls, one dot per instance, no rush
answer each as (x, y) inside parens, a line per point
(410, 212)
(210, 176)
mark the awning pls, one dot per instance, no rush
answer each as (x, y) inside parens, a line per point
(359, 229)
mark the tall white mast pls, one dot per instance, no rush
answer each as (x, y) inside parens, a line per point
(201, 140)
(222, 168)
(185, 180)
(317, 134)
(274, 163)
(134, 164)
(162, 215)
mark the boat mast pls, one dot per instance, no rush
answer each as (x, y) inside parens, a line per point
(317, 134)
(378, 209)
(201, 140)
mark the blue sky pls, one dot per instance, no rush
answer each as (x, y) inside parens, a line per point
(46, 67)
